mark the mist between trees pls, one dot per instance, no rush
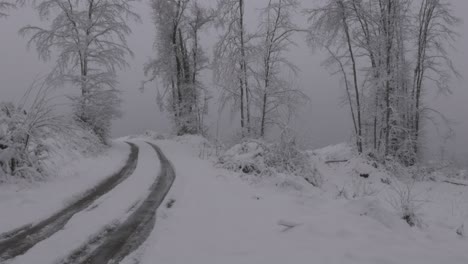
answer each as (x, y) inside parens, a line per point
(386, 52)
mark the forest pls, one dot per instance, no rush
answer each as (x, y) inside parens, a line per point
(230, 62)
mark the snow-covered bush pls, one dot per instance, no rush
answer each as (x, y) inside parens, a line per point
(247, 157)
(31, 132)
(361, 188)
(260, 158)
(97, 110)
(405, 202)
(154, 135)
(21, 126)
(285, 157)
(338, 152)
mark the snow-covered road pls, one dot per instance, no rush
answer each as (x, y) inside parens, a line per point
(19, 241)
(212, 215)
(106, 223)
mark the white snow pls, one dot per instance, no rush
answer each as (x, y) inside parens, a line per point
(22, 204)
(219, 218)
(111, 208)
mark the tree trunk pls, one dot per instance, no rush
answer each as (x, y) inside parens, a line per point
(244, 64)
(355, 78)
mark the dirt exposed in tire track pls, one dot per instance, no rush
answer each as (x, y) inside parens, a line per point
(114, 243)
(17, 242)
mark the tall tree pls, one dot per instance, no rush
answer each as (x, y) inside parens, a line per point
(332, 22)
(276, 32)
(90, 39)
(180, 58)
(231, 53)
(434, 29)
(373, 43)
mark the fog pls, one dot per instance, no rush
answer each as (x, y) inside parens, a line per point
(322, 122)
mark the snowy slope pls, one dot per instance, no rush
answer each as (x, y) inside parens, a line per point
(219, 218)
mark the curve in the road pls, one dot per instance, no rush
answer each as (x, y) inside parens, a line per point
(19, 241)
(117, 242)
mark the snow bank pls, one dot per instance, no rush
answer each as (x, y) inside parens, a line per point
(254, 157)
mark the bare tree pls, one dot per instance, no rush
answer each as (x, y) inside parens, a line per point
(333, 20)
(231, 64)
(276, 31)
(90, 38)
(199, 19)
(434, 29)
(372, 41)
(179, 61)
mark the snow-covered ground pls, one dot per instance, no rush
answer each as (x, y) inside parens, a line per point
(25, 203)
(213, 215)
(112, 208)
(218, 217)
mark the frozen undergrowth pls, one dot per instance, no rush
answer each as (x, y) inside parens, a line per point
(35, 141)
(54, 150)
(28, 202)
(262, 159)
(218, 217)
(413, 195)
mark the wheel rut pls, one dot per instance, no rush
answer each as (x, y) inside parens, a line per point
(118, 240)
(19, 241)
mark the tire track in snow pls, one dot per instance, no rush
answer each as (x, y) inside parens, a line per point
(18, 242)
(116, 242)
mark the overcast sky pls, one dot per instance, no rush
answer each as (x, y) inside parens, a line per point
(324, 121)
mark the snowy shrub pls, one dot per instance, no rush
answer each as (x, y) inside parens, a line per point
(259, 158)
(362, 188)
(339, 152)
(405, 203)
(97, 110)
(154, 135)
(285, 157)
(247, 157)
(30, 132)
(21, 127)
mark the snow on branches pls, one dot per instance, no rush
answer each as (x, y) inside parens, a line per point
(90, 40)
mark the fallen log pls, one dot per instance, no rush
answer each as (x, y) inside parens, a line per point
(455, 183)
(335, 161)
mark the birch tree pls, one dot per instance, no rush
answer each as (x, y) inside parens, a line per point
(90, 40)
